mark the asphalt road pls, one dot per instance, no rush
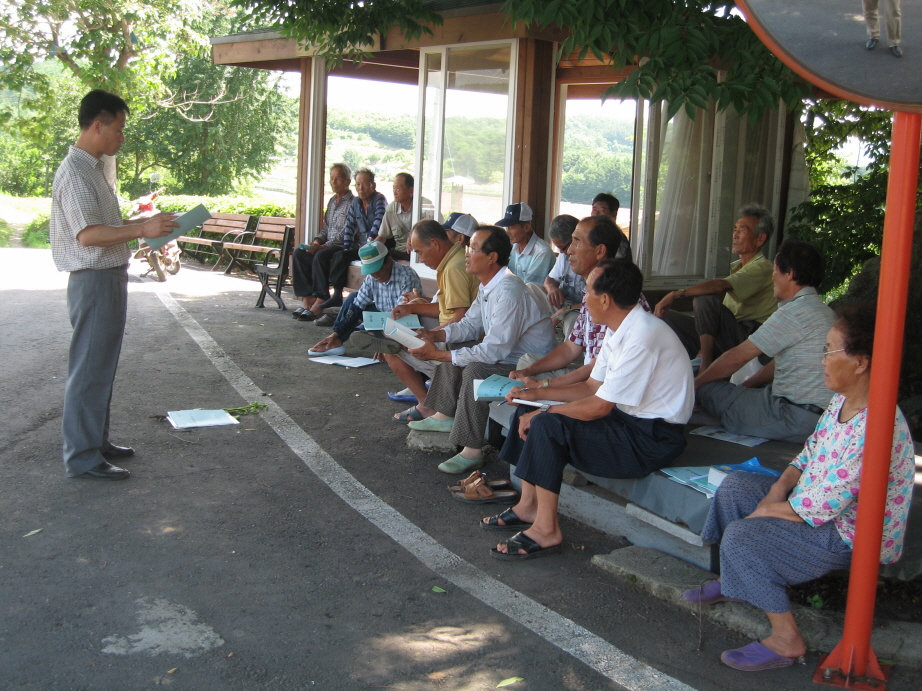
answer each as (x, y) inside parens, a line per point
(227, 562)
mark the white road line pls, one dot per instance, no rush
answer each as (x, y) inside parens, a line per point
(567, 635)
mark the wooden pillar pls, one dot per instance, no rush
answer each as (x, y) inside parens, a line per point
(531, 153)
(312, 123)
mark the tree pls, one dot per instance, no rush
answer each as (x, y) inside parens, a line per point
(123, 46)
(684, 43)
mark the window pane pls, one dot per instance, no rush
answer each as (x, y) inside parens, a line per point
(429, 184)
(597, 155)
(475, 140)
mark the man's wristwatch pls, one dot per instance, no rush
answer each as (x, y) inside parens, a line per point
(682, 293)
(544, 384)
(544, 407)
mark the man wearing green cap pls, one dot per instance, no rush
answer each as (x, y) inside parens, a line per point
(385, 283)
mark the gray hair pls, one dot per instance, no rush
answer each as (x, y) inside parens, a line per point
(766, 222)
(367, 171)
(562, 228)
(344, 169)
(428, 230)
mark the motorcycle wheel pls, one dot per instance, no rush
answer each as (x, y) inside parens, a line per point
(154, 260)
(172, 266)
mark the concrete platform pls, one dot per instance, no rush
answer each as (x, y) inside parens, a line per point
(667, 577)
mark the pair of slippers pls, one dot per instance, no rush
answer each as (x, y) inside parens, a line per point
(476, 489)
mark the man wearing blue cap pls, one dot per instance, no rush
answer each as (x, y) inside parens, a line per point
(386, 281)
(532, 258)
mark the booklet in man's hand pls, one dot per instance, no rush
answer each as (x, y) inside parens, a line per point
(187, 221)
(494, 388)
(403, 335)
(374, 321)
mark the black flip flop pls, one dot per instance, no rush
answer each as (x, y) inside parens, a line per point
(521, 541)
(512, 522)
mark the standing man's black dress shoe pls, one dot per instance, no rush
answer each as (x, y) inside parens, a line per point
(106, 471)
(896, 51)
(118, 452)
(871, 44)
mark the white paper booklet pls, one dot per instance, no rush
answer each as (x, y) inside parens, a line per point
(402, 334)
(187, 221)
(186, 419)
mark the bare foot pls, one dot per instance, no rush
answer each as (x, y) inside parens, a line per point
(785, 647)
(327, 343)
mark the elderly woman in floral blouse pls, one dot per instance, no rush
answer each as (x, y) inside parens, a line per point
(774, 534)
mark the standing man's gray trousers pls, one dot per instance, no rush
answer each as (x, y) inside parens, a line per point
(97, 302)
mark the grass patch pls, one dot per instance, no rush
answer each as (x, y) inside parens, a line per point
(36, 233)
(5, 232)
(32, 206)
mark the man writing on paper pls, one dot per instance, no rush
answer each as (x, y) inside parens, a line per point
(625, 421)
(457, 292)
(386, 281)
(511, 321)
(90, 240)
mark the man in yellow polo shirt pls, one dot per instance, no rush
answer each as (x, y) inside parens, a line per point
(457, 292)
(728, 310)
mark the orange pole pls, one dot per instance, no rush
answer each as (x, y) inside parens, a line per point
(853, 657)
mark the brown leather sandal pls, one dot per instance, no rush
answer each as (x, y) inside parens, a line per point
(479, 493)
(473, 477)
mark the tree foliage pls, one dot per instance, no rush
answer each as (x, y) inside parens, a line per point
(124, 46)
(342, 29)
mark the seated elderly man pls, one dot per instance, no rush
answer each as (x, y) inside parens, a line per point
(510, 320)
(457, 292)
(563, 285)
(532, 258)
(386, 281)
(595, 239)
(795, 395)
(625, 421)
(728, 310)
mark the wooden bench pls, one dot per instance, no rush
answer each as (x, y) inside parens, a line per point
(242, 249)
(213, 233)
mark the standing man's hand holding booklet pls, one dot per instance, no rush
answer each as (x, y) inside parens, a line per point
(187, 221)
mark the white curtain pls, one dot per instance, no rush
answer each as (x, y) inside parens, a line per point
(680, 235)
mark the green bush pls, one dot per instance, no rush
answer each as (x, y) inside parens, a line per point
(226, 205)
(36, 233)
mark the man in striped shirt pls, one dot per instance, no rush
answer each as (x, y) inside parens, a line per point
(366, 212)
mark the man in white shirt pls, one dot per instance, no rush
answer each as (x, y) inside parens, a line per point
(532, 258)
(625, 421)
(510, 320)
(398, 218)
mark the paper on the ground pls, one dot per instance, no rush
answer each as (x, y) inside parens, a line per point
(536, 404)
(344, 360)
(193, 218)
(684, 475)
(374, 321)
(185, 419)
(402, 334)
(724, 435)
(494, 388)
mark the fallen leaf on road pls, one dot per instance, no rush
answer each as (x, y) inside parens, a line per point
(509, 681)
(172, 671)
(33, 532)
(436, 589)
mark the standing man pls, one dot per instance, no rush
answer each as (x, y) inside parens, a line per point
(894, 24)
(728, 310)
(511, 322)
(366, 213)
(532, 258)
(90, 240)
(330, 236)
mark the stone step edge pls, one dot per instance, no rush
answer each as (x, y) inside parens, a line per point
(667, 577)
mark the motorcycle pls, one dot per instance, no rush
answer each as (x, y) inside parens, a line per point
(162, 261)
